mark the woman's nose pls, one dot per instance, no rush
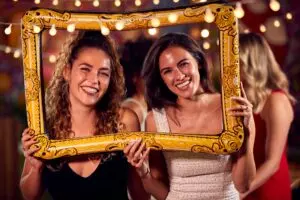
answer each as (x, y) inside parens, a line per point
(93, 77)
(178, 74)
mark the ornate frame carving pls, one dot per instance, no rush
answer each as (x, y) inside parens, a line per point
(229, 141)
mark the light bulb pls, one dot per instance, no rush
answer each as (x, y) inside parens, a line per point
(276, 23)
(175, 1)
(274, 5)
(152, 31)
(117, 3)
(71, 28)
(36, 29)
(289, 16)
(55, 2)
(120, 25)
(77, 3)
(7, 30)
(37, 1)
(52, 30)
(155, 22)
(262, 28)
(172, 17)
(17, 53)
(206, 45)
(138, 2)
(204, 33)
(7, 49)
(239, 11)
(104, 30)
(209, 16)
(156, 2)
(96, 3)
(52, 58)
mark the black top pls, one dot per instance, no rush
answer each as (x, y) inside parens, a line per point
(108, 181)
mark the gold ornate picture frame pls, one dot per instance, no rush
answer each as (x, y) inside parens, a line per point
(35, 21)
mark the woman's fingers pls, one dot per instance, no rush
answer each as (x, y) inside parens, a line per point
(31, 151)
(243, 91)
(138, 153)
(128, 147)
(241, 100)
(143, 158)
(29, 143)
(134, 147)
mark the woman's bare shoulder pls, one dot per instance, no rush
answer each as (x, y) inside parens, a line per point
(129, 119)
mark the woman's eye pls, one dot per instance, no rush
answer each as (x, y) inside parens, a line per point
(105, 74)
(166, 71)
(184, 64)
(85, 69)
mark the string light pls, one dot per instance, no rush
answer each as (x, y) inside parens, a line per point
(274, 5)
(172, 17)
(246, 31)
(156, 2)
(289, 16)
(276, 23)
(15, 0)
(138, 2)
(7, 49)
(52, 58)
(175, 1)
(104, 30)
(36, 29)
(262, 28)
(239, 11)
(120, 25)
(77, 3)
(155, 22)
(152, 31)
(204, 33)
(96, 3)
(71, 28)
(55, 2)
(52, 30)
(17, 53)
(206, 45)
(209, 16)
(117, 3)
(7, 30)
(37, 1)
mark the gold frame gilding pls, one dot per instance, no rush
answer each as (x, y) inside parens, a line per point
(229, 141)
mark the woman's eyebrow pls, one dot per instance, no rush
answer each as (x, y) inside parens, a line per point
(181, 61)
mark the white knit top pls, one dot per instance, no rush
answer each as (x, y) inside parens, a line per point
(196, 176)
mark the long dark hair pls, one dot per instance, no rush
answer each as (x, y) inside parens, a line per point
(157, 93)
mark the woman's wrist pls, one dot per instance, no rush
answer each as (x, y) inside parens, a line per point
(144, 173)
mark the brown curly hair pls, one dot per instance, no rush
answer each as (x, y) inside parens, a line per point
(57, 101)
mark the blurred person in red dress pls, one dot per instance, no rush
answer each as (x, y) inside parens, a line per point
(266, 87)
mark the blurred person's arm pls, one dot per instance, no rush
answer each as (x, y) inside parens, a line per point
(278, 115)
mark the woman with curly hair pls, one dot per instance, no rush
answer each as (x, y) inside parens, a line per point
(267, 89)
(82, 100)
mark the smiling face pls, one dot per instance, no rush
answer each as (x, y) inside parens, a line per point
(88, 77)
(179, 71)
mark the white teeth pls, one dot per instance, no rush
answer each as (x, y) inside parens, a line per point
(181, 85)
(90, 90)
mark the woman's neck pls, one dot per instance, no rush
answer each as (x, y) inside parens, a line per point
(83, 121)
(191, 105)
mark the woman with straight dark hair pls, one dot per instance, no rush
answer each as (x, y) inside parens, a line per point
(182, 100)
